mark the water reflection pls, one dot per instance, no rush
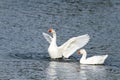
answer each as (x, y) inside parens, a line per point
(61, 70)
(70, 71)
(51, 71)
(93, 72)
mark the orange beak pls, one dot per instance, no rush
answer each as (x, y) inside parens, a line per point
(78, 52)
(50, 30)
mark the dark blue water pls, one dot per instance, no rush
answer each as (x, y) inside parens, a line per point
(23, 50)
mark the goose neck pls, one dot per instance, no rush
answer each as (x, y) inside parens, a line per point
(54, 35)
(84, 56)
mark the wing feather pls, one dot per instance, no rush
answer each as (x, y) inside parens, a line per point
(69, 47)
(47, 37)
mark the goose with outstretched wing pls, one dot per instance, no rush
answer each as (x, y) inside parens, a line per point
(68, 48)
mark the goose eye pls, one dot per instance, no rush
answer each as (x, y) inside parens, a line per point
(78, 52)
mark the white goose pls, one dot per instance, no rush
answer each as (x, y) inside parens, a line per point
(91, 60)
(68, 48)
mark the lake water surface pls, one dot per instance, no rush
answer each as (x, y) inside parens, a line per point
(23, 49)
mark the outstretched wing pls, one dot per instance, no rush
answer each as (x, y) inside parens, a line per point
(69, 47)
(47, 37)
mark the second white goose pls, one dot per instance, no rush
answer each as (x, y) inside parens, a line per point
(91, 60)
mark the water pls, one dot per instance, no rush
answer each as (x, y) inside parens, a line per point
(23, 50)
(55, 70)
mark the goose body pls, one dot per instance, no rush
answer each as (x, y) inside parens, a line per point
(68, 48)
(91, 60)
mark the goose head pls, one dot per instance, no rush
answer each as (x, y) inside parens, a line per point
(51, 30)
(81, 51)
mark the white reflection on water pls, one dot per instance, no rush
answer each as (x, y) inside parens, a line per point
(51, 70)
(93, 72)
(73, 71)
(61, 70)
